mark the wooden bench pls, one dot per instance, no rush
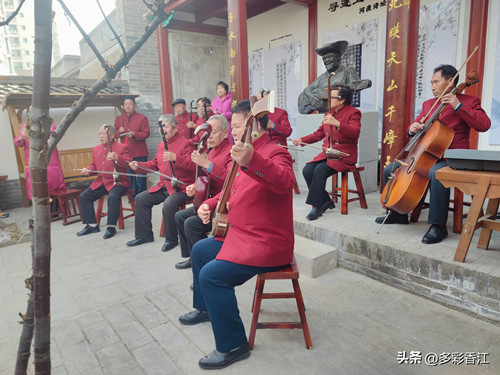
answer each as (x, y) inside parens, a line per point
(71, 160)
(69, 202)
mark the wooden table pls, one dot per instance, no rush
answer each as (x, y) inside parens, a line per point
(481, 185)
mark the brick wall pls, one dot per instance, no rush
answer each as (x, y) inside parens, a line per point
(10, 194)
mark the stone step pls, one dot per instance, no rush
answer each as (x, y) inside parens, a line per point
(314, 258)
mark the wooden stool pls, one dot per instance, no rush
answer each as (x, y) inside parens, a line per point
(343, 191)
(457, 209)
(162, 231)
(121, 217)
(291, 272)
(68, 206)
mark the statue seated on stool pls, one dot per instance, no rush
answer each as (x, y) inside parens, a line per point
(314, 97)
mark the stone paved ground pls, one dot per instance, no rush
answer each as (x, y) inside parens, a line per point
(115, 309)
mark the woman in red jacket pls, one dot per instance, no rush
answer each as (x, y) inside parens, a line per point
(340, 131)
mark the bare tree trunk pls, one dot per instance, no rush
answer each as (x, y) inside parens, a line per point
(24, 349)
(39, 132)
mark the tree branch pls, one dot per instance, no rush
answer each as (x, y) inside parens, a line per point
(103, 62)
(112, 30)
(6, 22)
(83, 102)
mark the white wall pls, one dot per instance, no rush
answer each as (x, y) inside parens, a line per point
(82, 133)
(293, 19)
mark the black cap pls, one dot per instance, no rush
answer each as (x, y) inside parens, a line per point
(178, 101)
(335, 47)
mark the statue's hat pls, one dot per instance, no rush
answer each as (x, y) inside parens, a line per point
(335, 47)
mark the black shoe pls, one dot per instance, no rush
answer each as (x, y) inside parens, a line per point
(184, 265)
(393, 218)
(87, 230)
(138, 241)
(110, 232)
(194, 317)
(435, 234)
(329, 205)
(218, 360)
(314, 214)
(168, 246)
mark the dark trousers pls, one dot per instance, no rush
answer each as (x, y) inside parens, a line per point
(88, 196)
(213, 291)
(144, 203)
(439, 199)
(191, 229)
(316, 175)
(138, 184)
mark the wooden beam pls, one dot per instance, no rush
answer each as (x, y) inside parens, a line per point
(262, 6)
(197, 27)
(238, 49)
(478, 22)
(171, 5)
(210, 9)
(167, 95)
(301, 2)
(312, 31)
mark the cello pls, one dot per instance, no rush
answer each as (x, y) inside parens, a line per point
(258, 110)
(407, 185)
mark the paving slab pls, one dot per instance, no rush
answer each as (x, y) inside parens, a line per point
(117, 313)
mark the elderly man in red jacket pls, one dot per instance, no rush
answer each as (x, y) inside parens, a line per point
(135, 129)
(259, 239)
(340, 131)
(186, 121)
(178, 156)
(106, 157)
(214, 165)
(461, 113)
(279, 128)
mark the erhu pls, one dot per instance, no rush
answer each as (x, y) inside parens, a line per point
(116, 176)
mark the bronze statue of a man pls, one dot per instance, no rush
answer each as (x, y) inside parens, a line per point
(314, 97)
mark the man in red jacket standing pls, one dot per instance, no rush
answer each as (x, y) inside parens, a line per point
(135, 129)
(259, 239)
(178, 157)
(186, 121)
(279, 128)
(461, 113)
(106, 157)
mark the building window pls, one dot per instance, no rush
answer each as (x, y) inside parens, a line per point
(14, 42)
(18, 66)
(16, 53)
(13, 29)
(23, 27)
(26, 52)
(25, 40)
(21, 15)
(28, 65)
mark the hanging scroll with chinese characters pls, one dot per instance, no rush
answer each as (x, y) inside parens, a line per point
(399, 76)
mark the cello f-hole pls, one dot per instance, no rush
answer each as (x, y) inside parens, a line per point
(410, 166)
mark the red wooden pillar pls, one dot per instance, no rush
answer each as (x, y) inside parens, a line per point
(399, 77)
(238, 49)
(167, 96)
(313, 41)
(478, 23)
